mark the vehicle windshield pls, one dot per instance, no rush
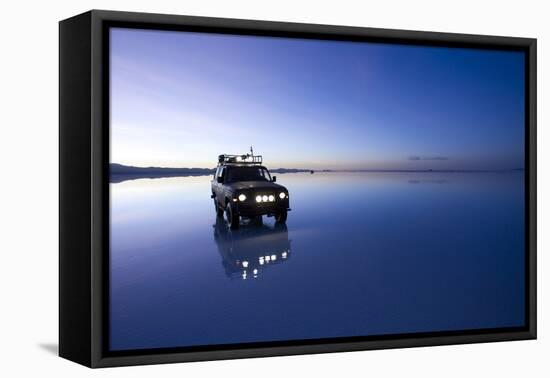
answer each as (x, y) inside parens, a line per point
(235, 174)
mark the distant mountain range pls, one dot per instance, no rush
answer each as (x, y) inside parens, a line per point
(119, 169)
(119, 172)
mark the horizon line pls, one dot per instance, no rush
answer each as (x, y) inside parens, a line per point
(332, 169)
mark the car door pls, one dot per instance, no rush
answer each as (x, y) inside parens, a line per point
(214, 183)
(220, 192)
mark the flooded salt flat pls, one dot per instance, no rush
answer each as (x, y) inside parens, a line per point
(361, 254)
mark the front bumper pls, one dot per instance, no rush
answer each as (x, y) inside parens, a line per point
(252, 208)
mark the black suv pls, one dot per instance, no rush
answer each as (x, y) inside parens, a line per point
(243, 187)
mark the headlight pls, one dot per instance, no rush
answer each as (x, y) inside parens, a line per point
(258, 198)
(271, 198)
(264, 198)
(242, 197)
(282, 195)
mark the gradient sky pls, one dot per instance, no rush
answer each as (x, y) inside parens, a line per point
(180, 99)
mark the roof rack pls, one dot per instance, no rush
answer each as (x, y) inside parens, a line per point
(240, 159)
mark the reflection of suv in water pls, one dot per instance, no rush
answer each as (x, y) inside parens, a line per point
(252, 248)
(243, 187)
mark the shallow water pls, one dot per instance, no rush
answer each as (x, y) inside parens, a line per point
(362, 254)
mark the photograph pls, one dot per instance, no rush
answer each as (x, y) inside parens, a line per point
(210, 188)
(267, 189)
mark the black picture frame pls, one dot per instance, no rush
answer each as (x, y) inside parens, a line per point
(84, 190)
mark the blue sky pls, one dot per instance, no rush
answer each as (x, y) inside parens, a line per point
(179, 99)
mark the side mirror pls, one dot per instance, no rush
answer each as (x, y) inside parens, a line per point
(220, 179)
(274, 178)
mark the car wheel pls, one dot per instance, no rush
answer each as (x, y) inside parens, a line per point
(281, 217)
(219, 211)
(232, 217)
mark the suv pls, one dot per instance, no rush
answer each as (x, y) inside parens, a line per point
(243, 187)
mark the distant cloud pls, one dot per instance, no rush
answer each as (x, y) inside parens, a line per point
(415, 158)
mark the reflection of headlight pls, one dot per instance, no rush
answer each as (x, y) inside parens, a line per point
(282, 195)
(271, 198)
(245, 264)
(242, 197)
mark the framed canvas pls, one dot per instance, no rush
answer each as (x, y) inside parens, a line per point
(235, 188)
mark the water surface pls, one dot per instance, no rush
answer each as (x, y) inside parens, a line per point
(361, 254)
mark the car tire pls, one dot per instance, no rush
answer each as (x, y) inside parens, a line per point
(281, 216)
(233, 218)
(219, 211)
